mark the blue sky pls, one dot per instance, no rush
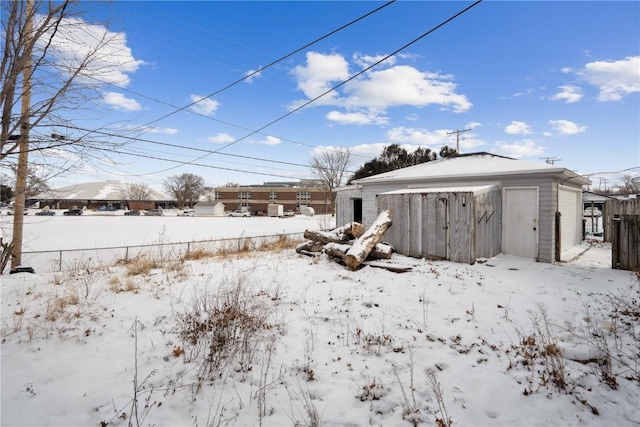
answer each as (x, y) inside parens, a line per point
(531, 80)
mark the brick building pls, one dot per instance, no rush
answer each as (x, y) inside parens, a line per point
(292, 195)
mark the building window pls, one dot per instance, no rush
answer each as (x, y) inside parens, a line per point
(216, 195)
(244, 205)
(244, 195)
(273, 195)
(303, 195)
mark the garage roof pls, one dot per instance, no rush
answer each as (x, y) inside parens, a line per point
(471, 165)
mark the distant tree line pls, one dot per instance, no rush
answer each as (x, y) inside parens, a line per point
(395, 157)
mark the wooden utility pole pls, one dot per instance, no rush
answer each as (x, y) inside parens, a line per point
(23, 154)
(458, 132)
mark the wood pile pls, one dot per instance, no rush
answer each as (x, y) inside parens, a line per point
(354, 246)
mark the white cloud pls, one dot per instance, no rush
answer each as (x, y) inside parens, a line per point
(204, 106)
(435, 139)
(416, 136)
(614, 79)
(566, 127)
(568, 93)
(105, 56)
(320, 73)
(252, 75)
(518, 128)
(363, 118)
(221, 138)
(372, 93)
(473, 125)
(269, 140)
(365, 61)
(118, 101)
(165, 131)
(402, 85)
(519, 149)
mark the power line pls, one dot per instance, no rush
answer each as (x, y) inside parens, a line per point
(347, 80)
(259, 70)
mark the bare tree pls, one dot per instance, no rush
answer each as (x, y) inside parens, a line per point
(186, 188)
(138, 191)
(330, 167)
(37, 180)
(52, 65)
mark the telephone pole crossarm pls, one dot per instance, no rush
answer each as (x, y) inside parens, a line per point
(458, 132)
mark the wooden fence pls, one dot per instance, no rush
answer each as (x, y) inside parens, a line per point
(622, 230)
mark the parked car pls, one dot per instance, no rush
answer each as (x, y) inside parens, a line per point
(239, 212)
(46, 213)
(11, 211)
(591, 211)
(186, 212)
(132, 213)
(73, 212)
(154, 212)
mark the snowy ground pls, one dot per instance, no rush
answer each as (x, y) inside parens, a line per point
(277, 339)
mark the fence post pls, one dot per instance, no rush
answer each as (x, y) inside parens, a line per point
(558, 239)
(615, 241)
(60, 263)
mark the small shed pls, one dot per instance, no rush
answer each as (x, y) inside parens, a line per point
(458, 224)
(540, 208)
(208, 209)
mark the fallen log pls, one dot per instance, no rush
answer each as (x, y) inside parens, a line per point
(363, 245)
(339, 250)
(342, 234)
(309, 246)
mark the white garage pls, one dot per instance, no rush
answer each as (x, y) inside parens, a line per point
(541, 204)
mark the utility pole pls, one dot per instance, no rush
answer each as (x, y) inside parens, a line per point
(550, 160)
(458, 132)
(23, 154)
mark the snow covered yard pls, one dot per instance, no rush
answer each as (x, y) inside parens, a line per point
(274, 338)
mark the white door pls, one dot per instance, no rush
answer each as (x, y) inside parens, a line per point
(569, 203)
(520, 222)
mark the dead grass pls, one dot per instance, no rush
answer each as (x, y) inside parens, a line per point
(117, 285)
(141, 266)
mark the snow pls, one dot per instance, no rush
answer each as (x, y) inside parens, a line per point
(476, 165)
(341, 347)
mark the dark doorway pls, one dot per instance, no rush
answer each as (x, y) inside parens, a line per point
(357, 210)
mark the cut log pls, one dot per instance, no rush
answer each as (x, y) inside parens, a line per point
(339, 250)
(342, 234)
(363, 246)
(323, 237)
(336, 250)
(350, 231)
(309, 246)
(381, 251)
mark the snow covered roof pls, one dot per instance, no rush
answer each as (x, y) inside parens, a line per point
(470, 165)
(103, 190)
(461, 189)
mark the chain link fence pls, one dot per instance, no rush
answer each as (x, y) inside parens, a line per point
(75, 259)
